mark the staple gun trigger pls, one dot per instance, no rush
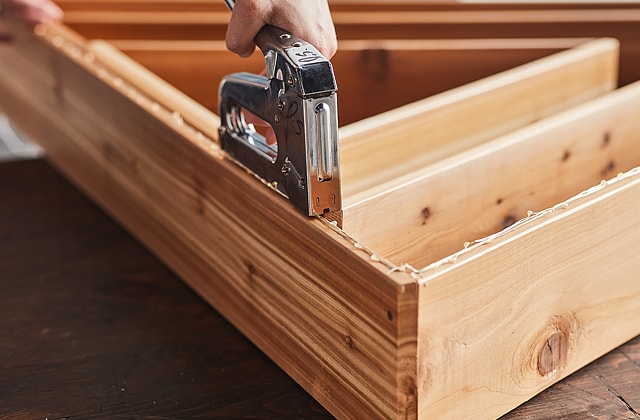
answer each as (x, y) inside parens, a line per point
(297, 98)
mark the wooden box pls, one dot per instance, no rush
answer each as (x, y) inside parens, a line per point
(489, 238)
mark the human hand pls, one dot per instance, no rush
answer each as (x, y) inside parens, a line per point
(30, 11)
(309, 20)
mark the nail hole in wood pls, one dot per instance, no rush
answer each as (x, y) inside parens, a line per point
(566, 156)
(606, 139)
(389, 315)
(499, 201)
(426, 213)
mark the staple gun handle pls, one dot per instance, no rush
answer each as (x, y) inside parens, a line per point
(297, 98)
(251, 92)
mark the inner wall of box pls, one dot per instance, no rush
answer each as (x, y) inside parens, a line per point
(373, 76)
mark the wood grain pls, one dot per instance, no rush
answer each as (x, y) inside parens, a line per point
(508, 20)
(563, 282)
(94, 326)
(592, 392)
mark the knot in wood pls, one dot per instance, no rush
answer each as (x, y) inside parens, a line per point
(546, 352)
(552, 354)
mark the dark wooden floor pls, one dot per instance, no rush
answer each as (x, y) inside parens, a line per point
(93, 326)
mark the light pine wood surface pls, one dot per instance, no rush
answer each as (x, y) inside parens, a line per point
(516, 314)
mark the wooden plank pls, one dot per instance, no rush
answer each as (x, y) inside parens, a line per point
(160, 175)
(548, 297)
(408, 138)
(400, 71)
(528, 169)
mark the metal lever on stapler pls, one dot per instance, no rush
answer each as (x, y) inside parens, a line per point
(297, 98)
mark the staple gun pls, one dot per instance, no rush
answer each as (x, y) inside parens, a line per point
(297, 98)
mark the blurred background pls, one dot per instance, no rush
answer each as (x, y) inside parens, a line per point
(14, 145)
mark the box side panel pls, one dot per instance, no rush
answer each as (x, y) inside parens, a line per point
(515, 314)
(335, 322)
(488, 188)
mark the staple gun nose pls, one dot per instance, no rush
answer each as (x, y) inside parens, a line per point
(297, 98)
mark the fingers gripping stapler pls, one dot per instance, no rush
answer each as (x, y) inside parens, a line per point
(297, 98)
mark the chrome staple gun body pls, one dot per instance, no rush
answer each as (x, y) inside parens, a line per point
(297, 98)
